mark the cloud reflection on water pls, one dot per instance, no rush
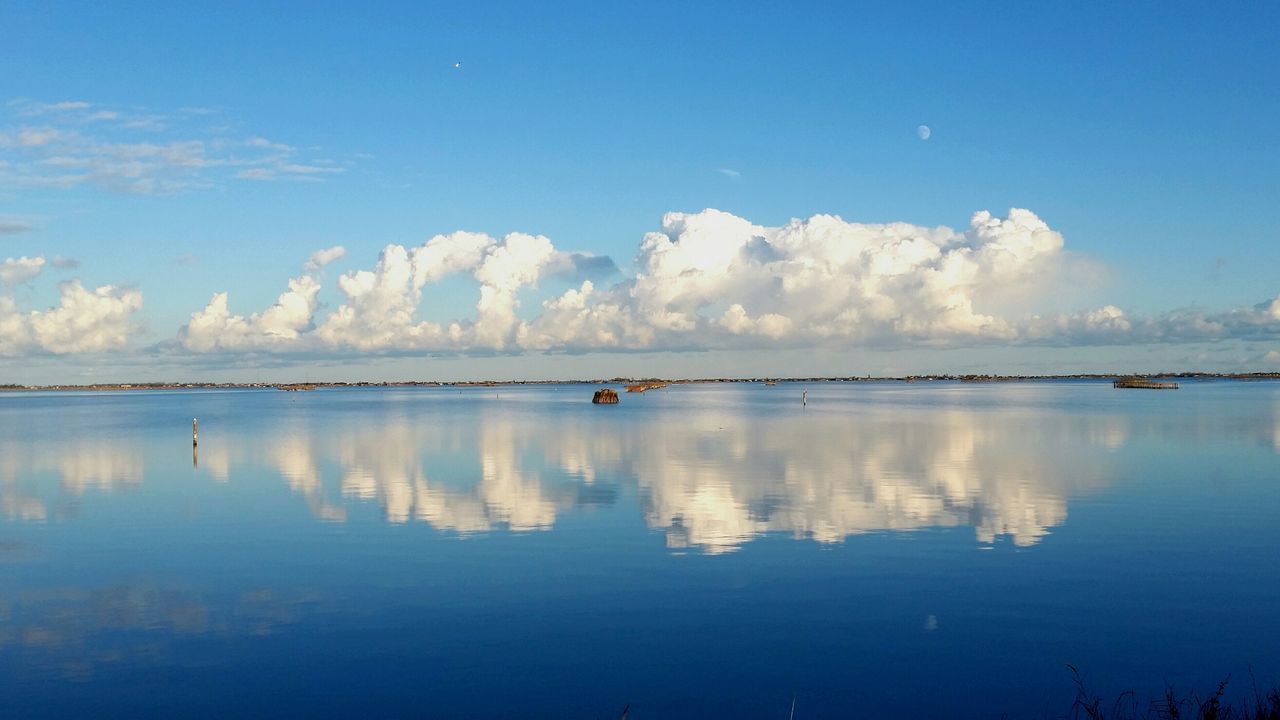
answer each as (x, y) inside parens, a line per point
(74, 633)
(715, 480)
(829, 478)
(81, 466)
(386, 464)
(711, 479)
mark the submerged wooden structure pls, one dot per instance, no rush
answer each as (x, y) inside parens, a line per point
(641, 387)
(605, 396)
(1141, 383)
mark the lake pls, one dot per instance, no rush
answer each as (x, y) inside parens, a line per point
(717, 550)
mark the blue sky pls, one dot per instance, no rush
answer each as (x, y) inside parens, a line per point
(1143, 135)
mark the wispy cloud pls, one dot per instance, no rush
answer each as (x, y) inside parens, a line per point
(321, 258)
(31, 108)
(71, 144)
(730, 173)
(14, 226)
(291, 171)
(64, 263)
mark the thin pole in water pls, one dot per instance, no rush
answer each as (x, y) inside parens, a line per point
(194, 435)
(804, 398)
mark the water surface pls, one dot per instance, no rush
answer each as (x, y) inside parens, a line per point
(699, 551)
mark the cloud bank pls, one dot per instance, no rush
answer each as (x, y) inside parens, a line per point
(703, 281)
(713, 280)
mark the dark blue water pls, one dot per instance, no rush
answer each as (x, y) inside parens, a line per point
(700, 551)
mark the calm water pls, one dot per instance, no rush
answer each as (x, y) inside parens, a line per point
(701, 551)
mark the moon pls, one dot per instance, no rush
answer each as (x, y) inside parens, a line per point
(924, 132)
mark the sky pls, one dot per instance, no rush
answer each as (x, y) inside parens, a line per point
(246, 192)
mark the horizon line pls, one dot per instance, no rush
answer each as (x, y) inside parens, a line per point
(617, 380)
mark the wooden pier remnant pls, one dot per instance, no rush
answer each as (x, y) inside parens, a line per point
(1142, 383)
(194, 435)
(605, 396)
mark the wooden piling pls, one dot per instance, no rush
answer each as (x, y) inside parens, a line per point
(194, 435)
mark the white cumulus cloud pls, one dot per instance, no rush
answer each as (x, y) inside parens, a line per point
(715, 279)
(215, 328)
(83, 321)
(19, 270)
(380, 305)
(86, 320)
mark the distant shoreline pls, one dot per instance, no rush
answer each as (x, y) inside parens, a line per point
(940, 377)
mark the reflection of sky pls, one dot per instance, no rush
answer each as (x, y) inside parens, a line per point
(384, 464)
(91, 465)
(836, 477)
(712, 482)
(710, 476)
(74, 633)
(136, 576)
